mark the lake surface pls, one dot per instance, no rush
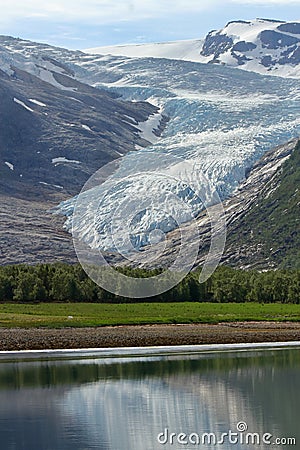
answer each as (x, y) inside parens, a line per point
(128, 402)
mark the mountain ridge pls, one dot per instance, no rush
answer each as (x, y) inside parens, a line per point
(266, 46)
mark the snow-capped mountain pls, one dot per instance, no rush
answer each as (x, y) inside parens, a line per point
(220, 122)
(264, 46)
(187, 50)
(260, 45)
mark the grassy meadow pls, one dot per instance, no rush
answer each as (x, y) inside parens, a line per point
(58, 315)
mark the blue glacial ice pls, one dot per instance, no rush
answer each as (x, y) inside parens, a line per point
(221, 121)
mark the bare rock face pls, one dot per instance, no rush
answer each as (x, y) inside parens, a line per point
(54, 139)
(30, 234)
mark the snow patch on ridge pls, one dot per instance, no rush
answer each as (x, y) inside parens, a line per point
(36, 102)
(51, 185)
(149, 126)
(87, 128)
(48, 77)
(62, 159)
(9, 165)
(19, 102)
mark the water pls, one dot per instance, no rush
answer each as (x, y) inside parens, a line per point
(123, 403)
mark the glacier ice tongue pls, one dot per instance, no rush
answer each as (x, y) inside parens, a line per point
(221, 122)
(137, 202)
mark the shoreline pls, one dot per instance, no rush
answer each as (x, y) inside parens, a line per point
(20, 339)
(142, 352)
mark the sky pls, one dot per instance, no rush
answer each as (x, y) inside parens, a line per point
(82, 24)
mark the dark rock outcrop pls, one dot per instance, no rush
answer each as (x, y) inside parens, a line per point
(276, 46)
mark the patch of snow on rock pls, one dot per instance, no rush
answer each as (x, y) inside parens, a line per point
(19, 102)
(10, 165)
(62, 159)
(36, 102)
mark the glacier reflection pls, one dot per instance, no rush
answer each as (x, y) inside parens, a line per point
(125, 404)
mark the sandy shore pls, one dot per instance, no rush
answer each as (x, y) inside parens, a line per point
(147, 335)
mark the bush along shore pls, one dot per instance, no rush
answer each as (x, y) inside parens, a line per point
(69, 283)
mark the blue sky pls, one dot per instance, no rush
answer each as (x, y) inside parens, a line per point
(81, 24)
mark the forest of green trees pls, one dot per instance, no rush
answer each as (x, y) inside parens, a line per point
(69, 283)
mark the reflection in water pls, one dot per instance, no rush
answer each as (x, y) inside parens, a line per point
(124, 404)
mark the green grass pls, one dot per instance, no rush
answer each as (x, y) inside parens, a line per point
(55, 315)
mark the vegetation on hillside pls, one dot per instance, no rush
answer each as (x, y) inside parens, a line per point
(272, 226)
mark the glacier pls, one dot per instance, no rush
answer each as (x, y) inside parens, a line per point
(221, 122)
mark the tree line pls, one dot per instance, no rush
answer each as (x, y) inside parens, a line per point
(69, 283)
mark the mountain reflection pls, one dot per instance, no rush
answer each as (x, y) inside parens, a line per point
(124, 404)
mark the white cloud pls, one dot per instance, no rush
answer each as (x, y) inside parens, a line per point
(109, 11)
(286, 3)
(103, 11)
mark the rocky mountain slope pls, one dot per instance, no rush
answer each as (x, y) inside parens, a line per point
(267, 234)
(30, 234)
(54, 130)
(269, 47)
